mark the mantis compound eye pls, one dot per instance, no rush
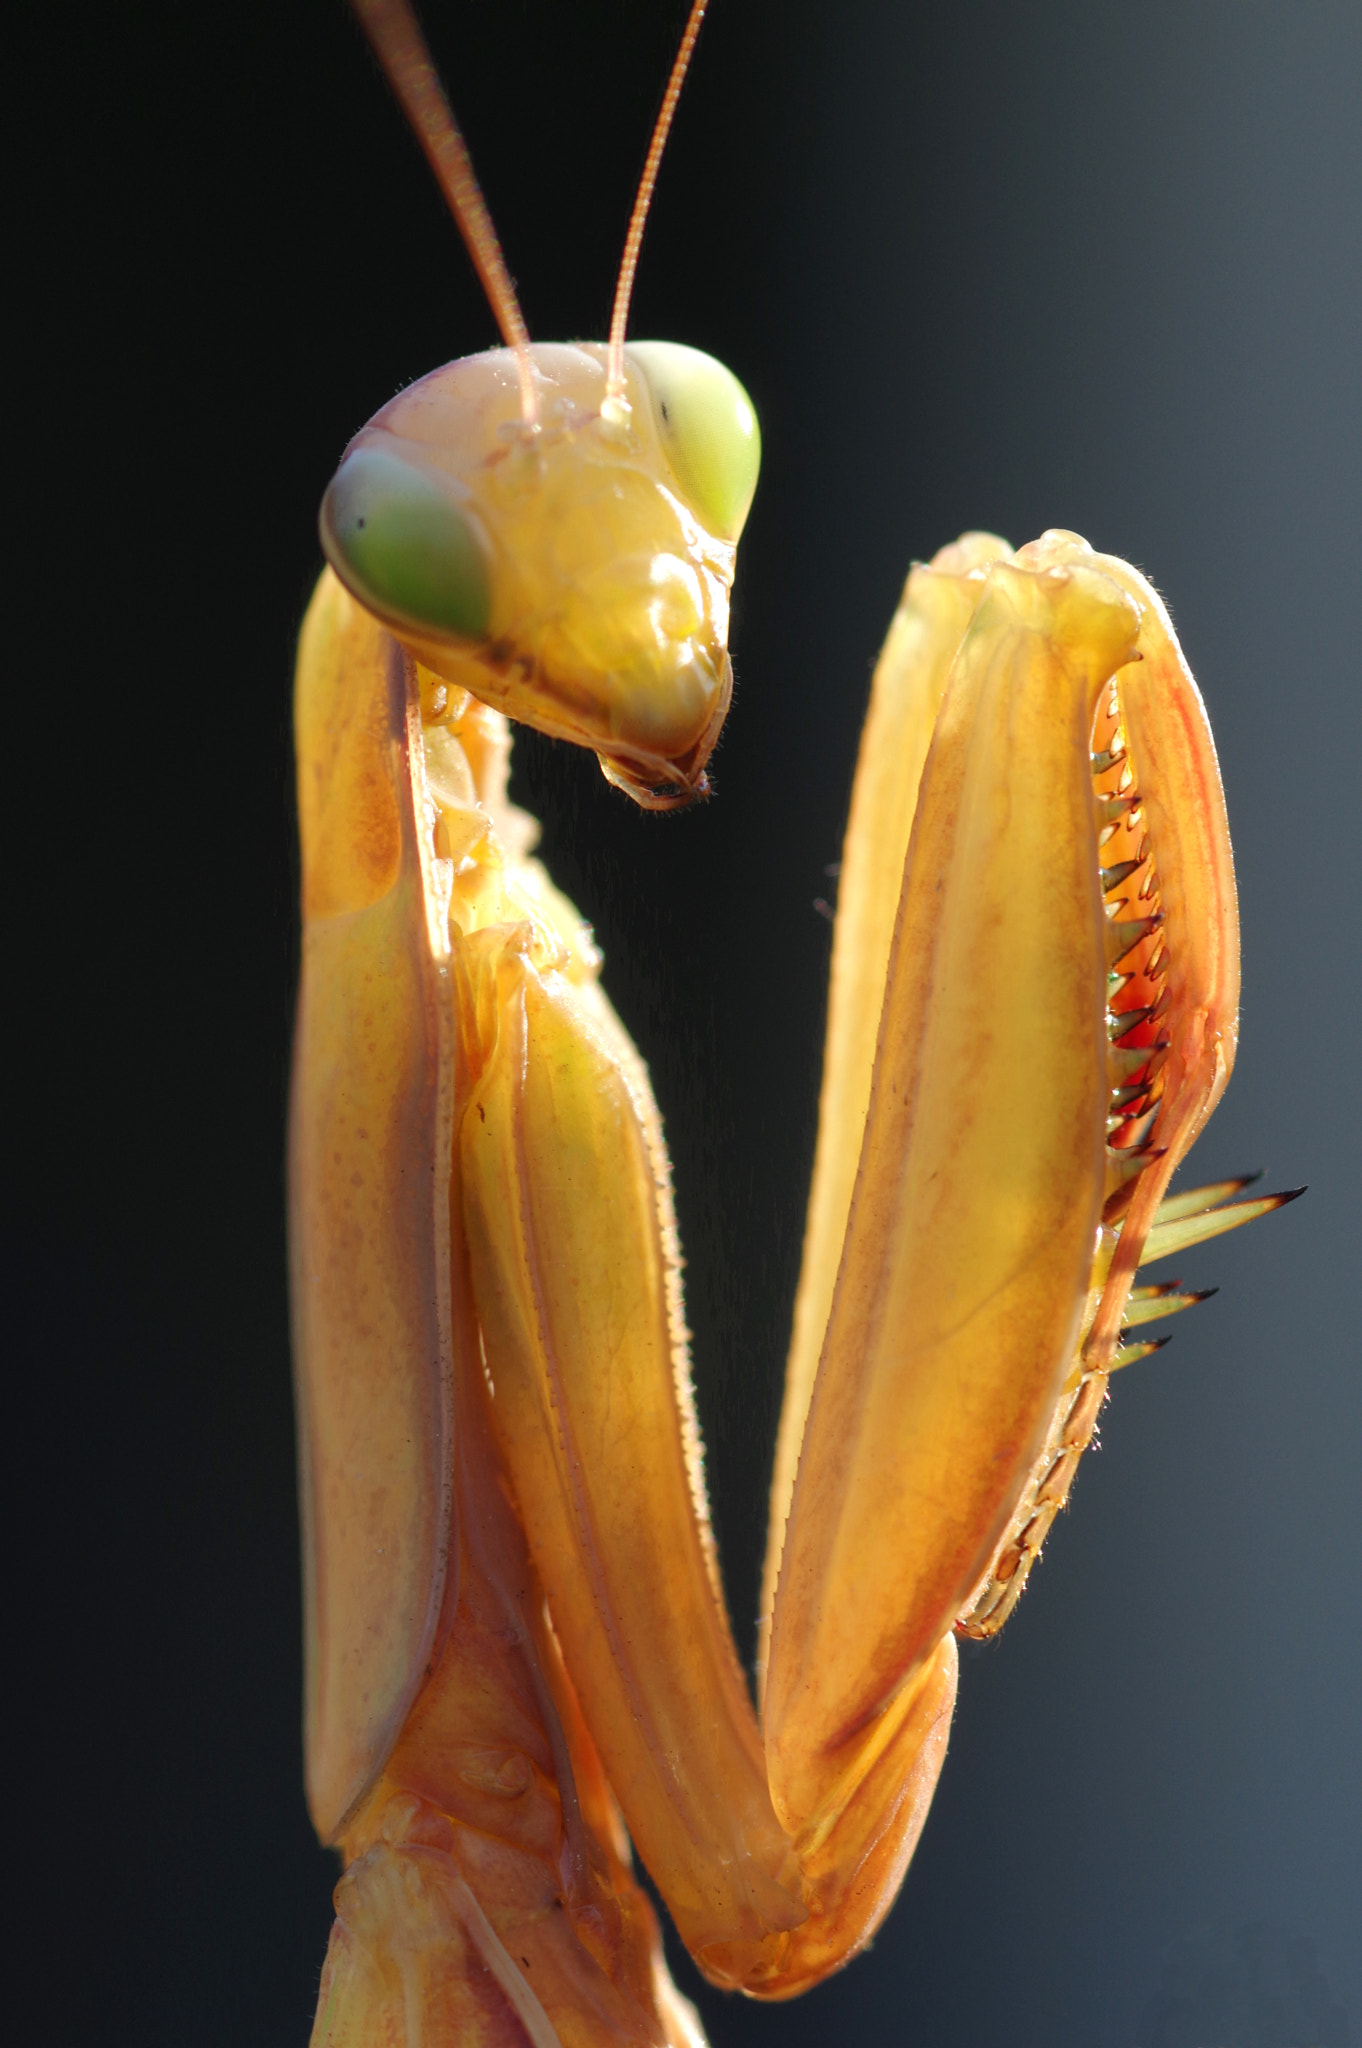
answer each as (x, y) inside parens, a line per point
(707, 428)
(398, 537)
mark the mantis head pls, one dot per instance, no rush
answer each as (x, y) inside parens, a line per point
(553, 529)
(575, 573)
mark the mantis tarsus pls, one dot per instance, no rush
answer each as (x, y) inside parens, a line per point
(1067, 825)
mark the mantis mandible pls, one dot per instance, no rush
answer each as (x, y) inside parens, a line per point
(517, 1647)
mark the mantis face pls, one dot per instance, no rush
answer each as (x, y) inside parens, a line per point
(577, 576)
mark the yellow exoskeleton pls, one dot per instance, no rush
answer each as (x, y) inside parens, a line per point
(517, 1648)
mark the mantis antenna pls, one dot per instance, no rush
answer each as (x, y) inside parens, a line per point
(614, 373)
(400, 47)
(396, 39)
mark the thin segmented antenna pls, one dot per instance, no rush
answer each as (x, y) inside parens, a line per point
(395, 36)
(614, 368)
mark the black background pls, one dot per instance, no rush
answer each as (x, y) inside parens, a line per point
(1095, 266)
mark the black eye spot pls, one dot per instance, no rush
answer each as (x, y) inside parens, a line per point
(360, 522)
(666, 413)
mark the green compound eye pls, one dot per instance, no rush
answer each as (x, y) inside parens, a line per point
(402, 544)
(708, 429)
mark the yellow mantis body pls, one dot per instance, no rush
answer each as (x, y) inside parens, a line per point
(517, 1647)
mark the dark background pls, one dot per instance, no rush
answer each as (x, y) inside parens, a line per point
(1095, 266)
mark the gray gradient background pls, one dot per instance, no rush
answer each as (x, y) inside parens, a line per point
(1091, 266)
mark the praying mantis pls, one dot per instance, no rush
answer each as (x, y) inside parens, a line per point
(513, 1611)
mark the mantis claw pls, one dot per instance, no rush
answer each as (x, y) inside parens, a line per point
(971, 1248)
(969, 1327)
